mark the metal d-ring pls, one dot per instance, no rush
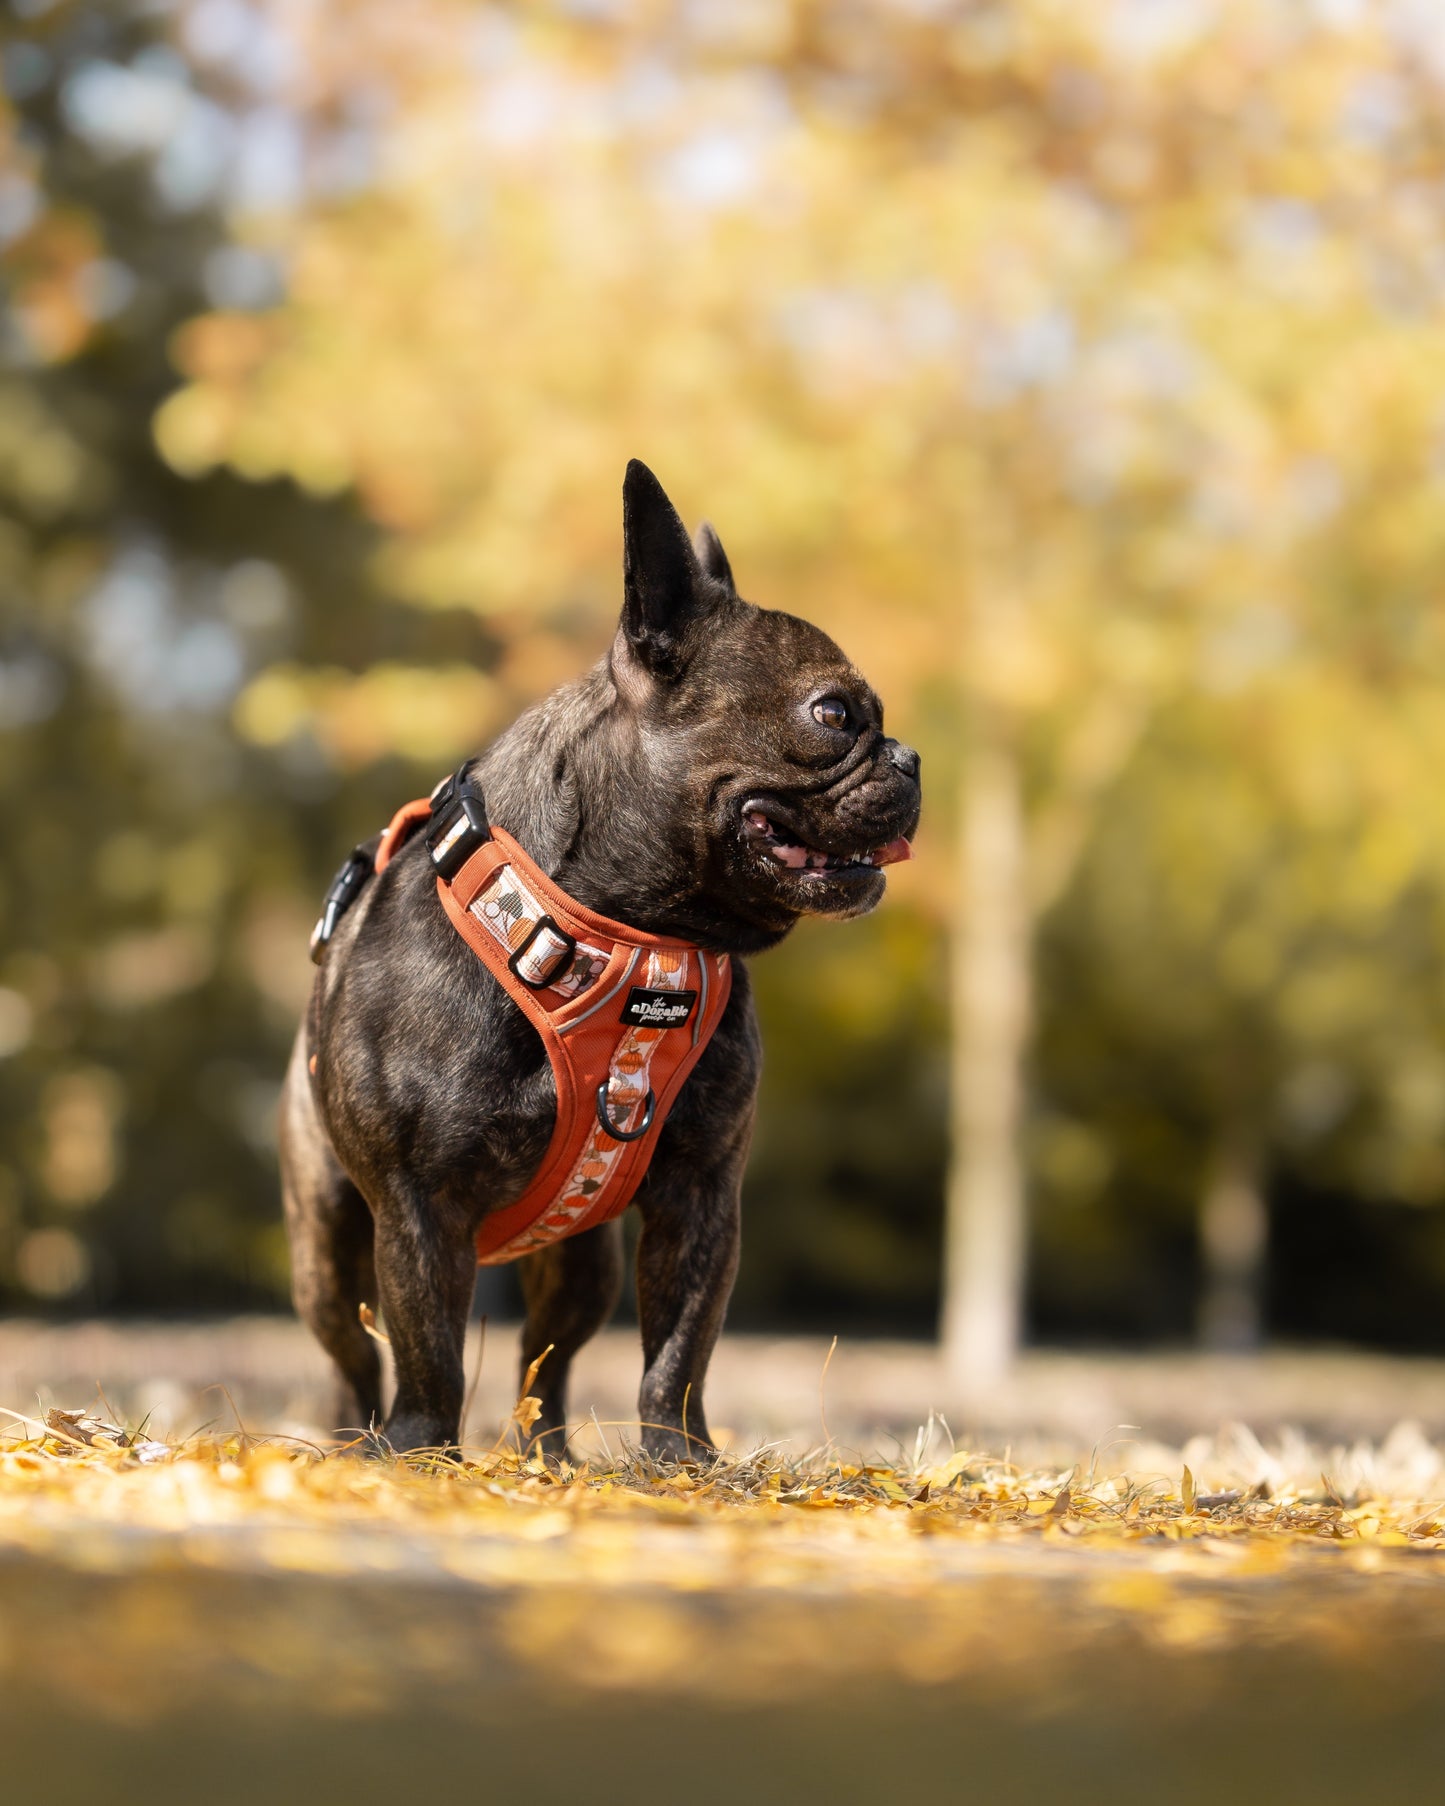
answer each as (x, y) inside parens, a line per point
(612, 1128)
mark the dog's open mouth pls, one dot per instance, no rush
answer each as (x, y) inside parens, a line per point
(779, 845)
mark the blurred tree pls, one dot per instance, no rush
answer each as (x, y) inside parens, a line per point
(1251, 944)
(159, 872)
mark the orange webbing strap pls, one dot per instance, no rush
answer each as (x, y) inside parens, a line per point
(625, 1019)
(399, 829)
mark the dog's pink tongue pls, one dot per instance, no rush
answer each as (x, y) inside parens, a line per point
(894, 853)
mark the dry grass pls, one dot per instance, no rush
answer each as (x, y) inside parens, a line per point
(840, 1522)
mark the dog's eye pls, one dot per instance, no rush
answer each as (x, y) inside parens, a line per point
(831, 713)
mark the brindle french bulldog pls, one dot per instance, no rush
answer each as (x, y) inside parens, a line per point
(721, 772)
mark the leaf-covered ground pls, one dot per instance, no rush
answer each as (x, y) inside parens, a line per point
(1236, 1622)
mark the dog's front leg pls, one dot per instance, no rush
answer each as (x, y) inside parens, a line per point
(426, 1270)
(687, 1260)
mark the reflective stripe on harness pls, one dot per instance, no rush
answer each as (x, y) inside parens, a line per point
(624, 1016)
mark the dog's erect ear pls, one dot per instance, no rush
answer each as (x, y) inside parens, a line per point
(665, 590)
(712, 557)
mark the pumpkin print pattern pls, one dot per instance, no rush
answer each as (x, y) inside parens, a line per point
(666, 970)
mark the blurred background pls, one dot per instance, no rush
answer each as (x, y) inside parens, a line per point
(1081, 369)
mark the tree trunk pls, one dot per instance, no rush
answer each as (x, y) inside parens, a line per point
(986, 1233)
(1233, 1245)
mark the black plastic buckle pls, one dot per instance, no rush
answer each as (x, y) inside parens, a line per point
(459, 823)
(443, 792)
(345, 887)
(566, 954)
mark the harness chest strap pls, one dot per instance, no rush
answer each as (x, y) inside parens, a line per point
(624, 1017)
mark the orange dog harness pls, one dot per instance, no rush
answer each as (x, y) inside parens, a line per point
(624, 1015)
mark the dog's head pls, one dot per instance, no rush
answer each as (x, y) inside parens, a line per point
(767, 768)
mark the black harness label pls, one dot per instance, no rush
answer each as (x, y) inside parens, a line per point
(657, 1009)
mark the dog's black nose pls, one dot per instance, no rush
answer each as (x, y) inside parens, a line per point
(903, 757)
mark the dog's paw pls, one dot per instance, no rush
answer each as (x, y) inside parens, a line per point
(686, 1448)
(417, 1438)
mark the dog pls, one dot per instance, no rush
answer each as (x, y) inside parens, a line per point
(721, 772)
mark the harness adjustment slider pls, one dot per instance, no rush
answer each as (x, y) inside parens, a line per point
(545, 956)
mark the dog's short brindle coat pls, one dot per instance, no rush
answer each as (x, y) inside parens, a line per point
(640, 788)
